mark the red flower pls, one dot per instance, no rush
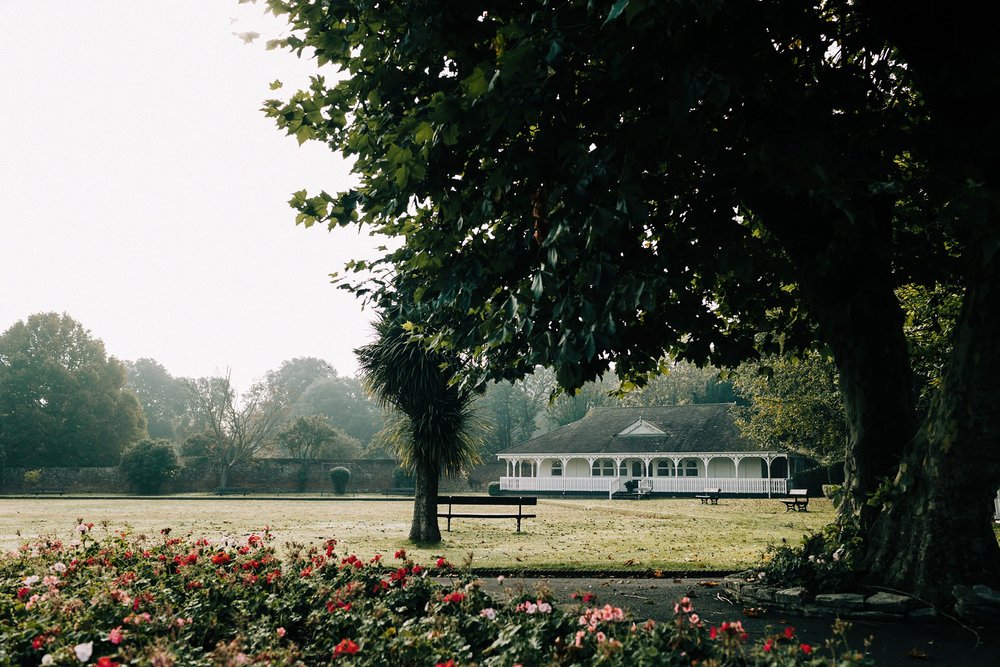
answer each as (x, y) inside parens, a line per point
(105, 661)
(306, 571)
(789, 632)
(401, 554)
(23, 592)
(806, 648)
(221, 558)
(767, 645)
(450, 663)
(346, 646)
(455, 596)
(441, 562)
(38, 642)
(713, 632)
(416, 569)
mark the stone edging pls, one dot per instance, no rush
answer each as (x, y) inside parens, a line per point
(881, 606)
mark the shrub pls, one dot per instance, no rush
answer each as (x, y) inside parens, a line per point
(32, 477)
(821, 563)
(116, 599)
(339, 477)
(197, 445)
(493, 488)
(148, 464)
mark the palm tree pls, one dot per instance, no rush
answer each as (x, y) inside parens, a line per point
(435, 429)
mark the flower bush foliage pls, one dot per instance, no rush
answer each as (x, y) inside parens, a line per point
(125, 599)
(823, 562)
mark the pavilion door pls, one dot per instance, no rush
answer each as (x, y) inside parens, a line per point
(637, 468)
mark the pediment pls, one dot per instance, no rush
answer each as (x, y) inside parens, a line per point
(641, 427)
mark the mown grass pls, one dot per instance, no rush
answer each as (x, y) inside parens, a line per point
(592, 534)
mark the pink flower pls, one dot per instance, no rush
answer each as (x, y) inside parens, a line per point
(116, 635)
(281, 632)
(768, 645)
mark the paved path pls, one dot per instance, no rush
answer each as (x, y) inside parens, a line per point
(938, 643)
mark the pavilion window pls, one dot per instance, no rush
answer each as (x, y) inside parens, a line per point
(603, 467)
(557, 469)
(664, 468)
(688, 468)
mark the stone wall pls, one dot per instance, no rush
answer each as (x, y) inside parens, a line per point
(276, 475)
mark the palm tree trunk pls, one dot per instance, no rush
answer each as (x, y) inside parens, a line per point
(424, 529)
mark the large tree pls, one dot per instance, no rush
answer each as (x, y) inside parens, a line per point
(309, 438)
(345, 403)
(240, 426)
(164, 399)
(597, 185)
(435, 430)
(63, 400)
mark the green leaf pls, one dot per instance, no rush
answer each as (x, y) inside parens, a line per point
(616, 11)
(276, 84)
(424, 133)
(476, 84)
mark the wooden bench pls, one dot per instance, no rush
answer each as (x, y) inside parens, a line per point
(505, 501)
(232, 491)
(709, 496)
(797, 500)
(53, 490)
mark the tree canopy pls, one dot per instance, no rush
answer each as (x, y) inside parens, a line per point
(598, 185)
(63, 401)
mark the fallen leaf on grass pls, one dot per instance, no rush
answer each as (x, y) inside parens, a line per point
(708, 584)
(917, 654)
(630, 561)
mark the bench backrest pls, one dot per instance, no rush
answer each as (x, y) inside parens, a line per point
(707, 490)
(487, 500)
(798, 492)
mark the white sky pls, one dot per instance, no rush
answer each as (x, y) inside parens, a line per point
(143, 192)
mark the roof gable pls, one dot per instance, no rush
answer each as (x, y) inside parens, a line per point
(640, 427)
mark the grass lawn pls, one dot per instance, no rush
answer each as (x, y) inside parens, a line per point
(668, 534)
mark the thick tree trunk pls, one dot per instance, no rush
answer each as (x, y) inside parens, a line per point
(424, 528)
(936, 527)
(223, 476)
(846, 277)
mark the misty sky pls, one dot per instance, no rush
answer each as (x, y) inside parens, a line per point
(144, 193)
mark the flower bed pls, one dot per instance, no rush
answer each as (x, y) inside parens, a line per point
(165, 601)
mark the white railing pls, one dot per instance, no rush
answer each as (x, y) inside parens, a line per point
(740, 485)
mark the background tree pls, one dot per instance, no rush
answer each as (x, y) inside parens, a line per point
(63, 401)
(148, 464)
(295, 376)
(344, 403)
(164, 399)
(565, 182)
(513, 410)
(309, 438)
(794, 404)
(434, 430)
(241, 426)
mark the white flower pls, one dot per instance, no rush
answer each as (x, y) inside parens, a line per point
(489, 612)
(84, 651)
(544, 608)
(47, 659)
(58, 567)
(31, 581)
(82, 528)
(500, 579)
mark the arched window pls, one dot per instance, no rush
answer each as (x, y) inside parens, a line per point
(605, 467)
(557, 468)
(688, 468)
(623, 469)
(664, 468)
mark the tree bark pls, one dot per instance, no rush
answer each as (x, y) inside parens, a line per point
(223, 476)
(424, 528)
(845, 273)
(936, 527)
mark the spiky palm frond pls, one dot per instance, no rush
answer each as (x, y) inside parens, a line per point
(439, 424)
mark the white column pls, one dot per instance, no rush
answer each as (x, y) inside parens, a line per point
(705, 460)
(646, 471)
(767, 459)
(590, 466)
(538, 467)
